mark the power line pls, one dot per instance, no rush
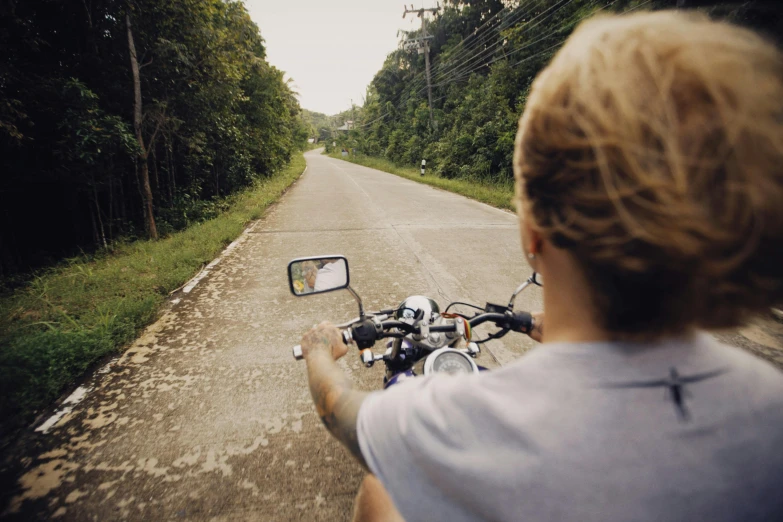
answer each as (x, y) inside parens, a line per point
(418, 83)
(479, 66)
(415, 87)
(480, 34)
(474, 63)
(505, 23)
(513, 18)
(456, 79)
(465, 73)
(520, 13)
(490, 50)
(475, 32)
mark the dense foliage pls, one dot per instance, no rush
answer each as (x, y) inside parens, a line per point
(214, 117)
(485, 54)
(318, 125)
(322, 126)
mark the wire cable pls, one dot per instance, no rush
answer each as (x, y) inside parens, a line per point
(413, 89)
(453, 54)
(528, 45)
(490, 50)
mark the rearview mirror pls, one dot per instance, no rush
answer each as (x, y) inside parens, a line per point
(317, 275)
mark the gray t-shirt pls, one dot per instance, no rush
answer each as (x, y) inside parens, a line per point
(586, 432)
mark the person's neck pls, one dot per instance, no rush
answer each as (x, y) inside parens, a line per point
(568, 307)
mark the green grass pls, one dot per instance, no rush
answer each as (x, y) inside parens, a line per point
(69, 317)
(492, 193)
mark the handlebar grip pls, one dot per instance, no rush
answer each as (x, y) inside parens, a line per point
(297, 350)
(521, 322)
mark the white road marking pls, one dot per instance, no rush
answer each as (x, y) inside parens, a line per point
(201, 275)
(73, 399)
(78, 395)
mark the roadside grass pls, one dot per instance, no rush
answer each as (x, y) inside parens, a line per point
(492, 193)
(67, 318)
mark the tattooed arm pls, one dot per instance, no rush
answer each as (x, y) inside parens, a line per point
(335, 399)
(537, 332)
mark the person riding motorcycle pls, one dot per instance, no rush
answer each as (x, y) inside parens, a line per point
(330, 275)
(650, 196)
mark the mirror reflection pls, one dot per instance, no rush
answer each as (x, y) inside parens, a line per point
(317, 275)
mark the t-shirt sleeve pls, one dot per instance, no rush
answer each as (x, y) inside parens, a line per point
(405, 434)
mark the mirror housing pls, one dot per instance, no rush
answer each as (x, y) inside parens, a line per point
(318, 274)
(537, 279)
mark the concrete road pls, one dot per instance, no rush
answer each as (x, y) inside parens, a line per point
(207, 416)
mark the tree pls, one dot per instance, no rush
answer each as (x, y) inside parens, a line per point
(486, 54)
(143, 154)
(209, 116)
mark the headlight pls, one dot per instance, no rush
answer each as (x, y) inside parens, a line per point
(414, 304)
(448, 360)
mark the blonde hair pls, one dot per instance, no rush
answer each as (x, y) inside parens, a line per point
(309, 268)
(651, 147)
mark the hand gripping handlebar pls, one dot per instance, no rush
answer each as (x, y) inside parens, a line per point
(299, 355)
(366, 333)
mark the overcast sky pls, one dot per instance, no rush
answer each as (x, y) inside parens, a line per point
(331, 48)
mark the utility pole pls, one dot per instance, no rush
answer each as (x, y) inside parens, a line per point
(423, 46)
(353, 115)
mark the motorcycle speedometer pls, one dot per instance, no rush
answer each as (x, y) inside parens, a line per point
(449, 361)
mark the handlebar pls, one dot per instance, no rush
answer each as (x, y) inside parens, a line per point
(366, 333)
(515, 321)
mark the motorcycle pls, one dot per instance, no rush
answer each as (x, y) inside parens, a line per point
(420, 339)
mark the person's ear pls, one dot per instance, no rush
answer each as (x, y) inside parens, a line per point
(532, 238)
(537, 241)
